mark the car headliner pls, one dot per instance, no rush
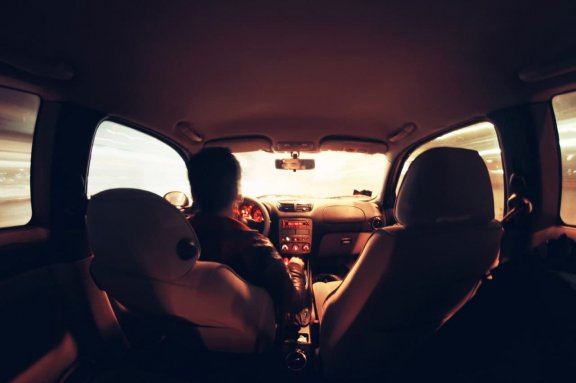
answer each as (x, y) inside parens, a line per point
(294, 69)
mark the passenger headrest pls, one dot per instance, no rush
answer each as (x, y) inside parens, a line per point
(140, 233)
(446, 185)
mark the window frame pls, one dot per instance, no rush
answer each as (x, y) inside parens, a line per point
(398, 165)
(183, 153)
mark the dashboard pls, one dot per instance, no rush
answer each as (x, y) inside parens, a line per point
(320, 228)
(295, 235)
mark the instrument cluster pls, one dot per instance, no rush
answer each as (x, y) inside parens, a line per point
(249, 211)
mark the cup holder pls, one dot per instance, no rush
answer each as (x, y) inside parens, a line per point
(296, 360)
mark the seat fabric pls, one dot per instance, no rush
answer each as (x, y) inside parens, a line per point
(413, 276)
(146, 257)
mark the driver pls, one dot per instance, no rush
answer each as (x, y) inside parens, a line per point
(214, 175)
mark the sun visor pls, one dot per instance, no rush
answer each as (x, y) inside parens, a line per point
(353, 144)
(242, 144)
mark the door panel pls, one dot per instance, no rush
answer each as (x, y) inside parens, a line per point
(49, 318)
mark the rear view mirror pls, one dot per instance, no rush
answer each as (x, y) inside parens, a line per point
(295, 164)
(178, 199)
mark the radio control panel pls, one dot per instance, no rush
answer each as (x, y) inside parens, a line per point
(295, 235)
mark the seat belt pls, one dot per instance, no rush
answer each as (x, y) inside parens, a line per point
(516, 222)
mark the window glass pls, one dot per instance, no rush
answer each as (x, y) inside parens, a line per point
(481, 137)
(18, 112)
(123, 157)
(565, 112)
(336, 175)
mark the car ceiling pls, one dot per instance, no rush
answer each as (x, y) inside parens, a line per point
(292, 70)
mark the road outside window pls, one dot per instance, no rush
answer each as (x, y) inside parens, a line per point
(123, 157)
(18, 112)
(336, 175)
(481, 137)
(565, 112)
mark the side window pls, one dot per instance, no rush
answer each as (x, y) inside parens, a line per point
(481, 137)
(565, 111)
(18, 113)
(123, 157)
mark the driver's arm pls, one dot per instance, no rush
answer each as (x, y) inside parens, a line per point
(298, 278)
(286, 284)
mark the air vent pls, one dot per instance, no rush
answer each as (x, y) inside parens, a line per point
(294, 207)
(303, 207)
(286, 206)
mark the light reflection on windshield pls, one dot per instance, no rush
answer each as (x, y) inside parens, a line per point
(336, 174)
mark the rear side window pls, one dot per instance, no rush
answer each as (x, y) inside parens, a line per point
(18, 113)
(123, 157)
(565, 111)
(481, 137)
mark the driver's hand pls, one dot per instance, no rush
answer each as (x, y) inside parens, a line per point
(298, 277)
(296, 260)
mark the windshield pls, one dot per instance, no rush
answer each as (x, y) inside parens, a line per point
(337, 174)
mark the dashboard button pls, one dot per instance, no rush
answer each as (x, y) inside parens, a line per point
(295, 248)
(306, 247)
(284, 247)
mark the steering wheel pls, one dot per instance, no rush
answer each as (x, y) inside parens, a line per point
(264, 226)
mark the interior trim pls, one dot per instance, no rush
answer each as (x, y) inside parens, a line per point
(23, 235)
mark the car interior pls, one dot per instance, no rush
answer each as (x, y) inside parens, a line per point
(416, 157)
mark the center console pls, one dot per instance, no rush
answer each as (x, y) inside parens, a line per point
(295, 236)
(298, 335)
(298, 349)
(300, 332)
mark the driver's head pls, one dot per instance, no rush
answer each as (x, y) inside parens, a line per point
(214, 175)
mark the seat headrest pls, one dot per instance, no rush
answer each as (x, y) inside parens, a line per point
(446, 185)
(139, 232)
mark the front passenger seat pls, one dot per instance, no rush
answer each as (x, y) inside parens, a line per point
(146, 259)
(413, 276)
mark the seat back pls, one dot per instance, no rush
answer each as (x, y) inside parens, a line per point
(413, 276)
(146, 258)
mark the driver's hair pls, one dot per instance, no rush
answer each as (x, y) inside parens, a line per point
(214, 174)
